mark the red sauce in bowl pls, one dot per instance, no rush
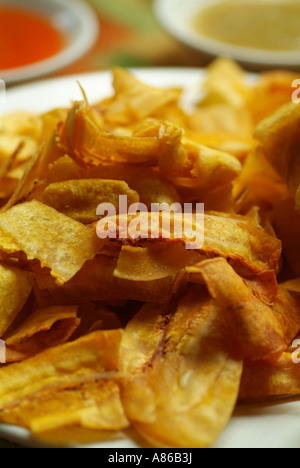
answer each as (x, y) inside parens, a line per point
(26, 38)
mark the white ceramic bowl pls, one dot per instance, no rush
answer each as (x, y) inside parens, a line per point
(176, 17)
(74, 18)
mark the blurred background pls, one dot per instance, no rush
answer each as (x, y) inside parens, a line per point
(131, 36)
(99, 34)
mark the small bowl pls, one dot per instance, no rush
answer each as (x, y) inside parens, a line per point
(176, 16)
(74, 19)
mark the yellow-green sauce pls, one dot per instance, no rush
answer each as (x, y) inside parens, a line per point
(264, 24)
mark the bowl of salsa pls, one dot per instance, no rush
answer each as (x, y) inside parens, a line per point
(39, 37)
(260, 32)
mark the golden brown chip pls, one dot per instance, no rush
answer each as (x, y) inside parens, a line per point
(151, 186)
(24, 124)
(272, 90)
(279, 137)
(259, 184)
(199, 166)
(96, 282)
(79, 199)
(43, 329)
(87, 356)
(15, 288)
(154, 263)
(182, 379)
(42, 233)
(9, 143)
(262, 381)
(135, 100)
(26, 183)
(83, 140)
(93, 404)
(232, 89)
(224, 236)
(222, 120)
(263, 331)
(50, 121)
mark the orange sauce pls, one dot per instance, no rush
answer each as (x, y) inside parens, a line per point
(26, 38)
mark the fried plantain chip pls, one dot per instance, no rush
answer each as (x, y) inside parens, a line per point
(224, 236)
(9, 143)
(182, 379)
(26, 183)
(95, 353)
(52, 152)
(96, 282)
(153, 263)
(232, 89)
(263, 331)
(222, 120)
(279, 137)
(50, 122)
(203, 167)
(135, 100)
(23, 124)
(92, 147)
(43, 329)
(93, 404)
(258, 184)
(63, 169)
(15, 288)
(151, 186)
(58, 242)
(271, 91)
(261, 381)
(79, 199)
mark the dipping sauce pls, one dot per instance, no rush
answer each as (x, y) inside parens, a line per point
(267, 25)
(26, 38)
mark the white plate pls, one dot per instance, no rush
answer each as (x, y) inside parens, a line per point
(176, 17)
(254, 426)
(74, 19)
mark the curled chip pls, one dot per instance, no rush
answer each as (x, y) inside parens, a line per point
(263, 331)
(83, 139)
(221, 235)
(58, 242)
(43, 329)
(134, 100)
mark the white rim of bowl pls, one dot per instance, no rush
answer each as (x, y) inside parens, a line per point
(71, 53)
(182, 30)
